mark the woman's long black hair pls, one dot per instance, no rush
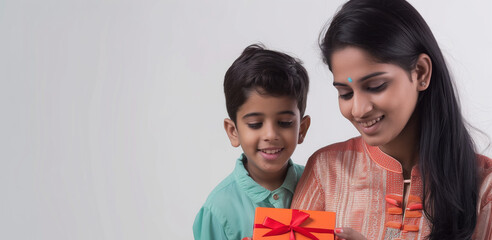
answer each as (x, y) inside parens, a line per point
(392, 31)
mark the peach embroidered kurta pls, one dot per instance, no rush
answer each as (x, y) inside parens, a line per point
(355, 180)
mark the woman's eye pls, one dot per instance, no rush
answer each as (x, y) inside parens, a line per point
(346, 96)
(254, 125)
(378, 88)
(285, 124)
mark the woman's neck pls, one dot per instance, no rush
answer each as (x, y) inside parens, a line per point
(405, 147)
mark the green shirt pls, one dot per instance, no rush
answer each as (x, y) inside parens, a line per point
(229, 210)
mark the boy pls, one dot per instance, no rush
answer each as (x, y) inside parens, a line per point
(266, 94)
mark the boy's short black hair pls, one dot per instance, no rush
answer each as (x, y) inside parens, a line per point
(267, 72)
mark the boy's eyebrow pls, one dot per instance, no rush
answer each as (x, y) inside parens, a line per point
(255, 114)
(287, 112)
(360, 80)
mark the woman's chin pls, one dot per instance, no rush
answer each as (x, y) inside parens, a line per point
(373, 140)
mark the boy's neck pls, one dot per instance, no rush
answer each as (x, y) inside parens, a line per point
(270, 181)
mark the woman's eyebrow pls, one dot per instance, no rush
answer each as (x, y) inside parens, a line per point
(371, 75)
(361, 79)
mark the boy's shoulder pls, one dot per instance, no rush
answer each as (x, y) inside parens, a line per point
(226, 189)
(224, 211)
(235, 188)
(229, 190)
(299, 169)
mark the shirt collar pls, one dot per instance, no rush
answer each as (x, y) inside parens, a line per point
(382, 159)
(254, 190)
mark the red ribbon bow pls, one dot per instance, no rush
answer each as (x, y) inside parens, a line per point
(298, 218)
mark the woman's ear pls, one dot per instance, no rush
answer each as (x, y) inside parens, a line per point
(422, 72)
(231, 131)
(303, 128)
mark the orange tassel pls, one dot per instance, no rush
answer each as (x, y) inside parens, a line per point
(395, 225)
(395, 211)
(414, 206)
(394, 199)
(411, 228)
(413, 214)
(414, 199)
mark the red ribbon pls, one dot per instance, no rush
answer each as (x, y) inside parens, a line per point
(298, 218)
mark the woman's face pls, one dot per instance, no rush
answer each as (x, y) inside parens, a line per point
(378, 98)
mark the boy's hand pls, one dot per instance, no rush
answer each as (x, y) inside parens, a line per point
(348, 234)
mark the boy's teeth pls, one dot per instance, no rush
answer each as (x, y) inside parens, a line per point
(271, 151)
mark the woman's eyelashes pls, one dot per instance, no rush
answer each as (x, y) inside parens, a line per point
(347, 94)
(377, 88)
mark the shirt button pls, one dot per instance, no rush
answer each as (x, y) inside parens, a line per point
(275, 196)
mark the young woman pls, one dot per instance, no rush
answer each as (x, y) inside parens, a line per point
(413, 173)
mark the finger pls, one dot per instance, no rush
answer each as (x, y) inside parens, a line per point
(348, 234)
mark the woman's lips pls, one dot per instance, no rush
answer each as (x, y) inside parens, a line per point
(370, 127)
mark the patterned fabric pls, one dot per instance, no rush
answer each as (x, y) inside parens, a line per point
(364, 186)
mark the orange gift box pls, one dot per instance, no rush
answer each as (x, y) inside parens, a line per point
(292, 224)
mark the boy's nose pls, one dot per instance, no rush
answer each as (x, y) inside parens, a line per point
(361, 105)
(270, 133)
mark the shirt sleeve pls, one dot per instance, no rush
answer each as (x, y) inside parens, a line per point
(483, 230)
(208, 227)
(309, 194)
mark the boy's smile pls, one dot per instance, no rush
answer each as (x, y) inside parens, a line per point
(268, 129)
(270, 153)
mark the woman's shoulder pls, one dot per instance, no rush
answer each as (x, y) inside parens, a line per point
(332, 160)
(336, 153)
(353, 144)
(484, 167)
(485, 176)
(484, 163)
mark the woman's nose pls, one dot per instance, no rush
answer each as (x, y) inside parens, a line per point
(361, 105)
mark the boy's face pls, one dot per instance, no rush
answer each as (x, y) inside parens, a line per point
(268, 129)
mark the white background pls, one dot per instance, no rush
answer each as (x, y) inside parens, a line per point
(112, 111)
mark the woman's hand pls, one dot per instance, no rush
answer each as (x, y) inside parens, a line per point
(341, 233)
(348, 234)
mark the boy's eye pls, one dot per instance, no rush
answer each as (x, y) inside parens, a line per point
(254, 125)
(285, 124)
